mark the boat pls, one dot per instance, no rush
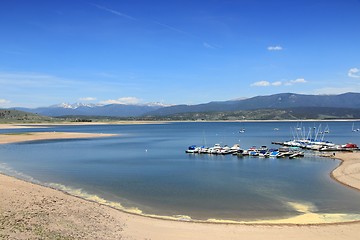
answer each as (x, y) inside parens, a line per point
(192, 149)
(215, 149)
(326, 130)
(281, 155)
(316, 147)
(225, 150)
(235, 148)
(284, 149)
(274, 153)
(195, 149)
(355, 130)
(350, 147)
(262, 151)
(242, 130)
(296, 154)
(204, 150)
(253, 151)
(331, 148)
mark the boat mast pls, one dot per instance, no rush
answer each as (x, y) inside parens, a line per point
(317, 133)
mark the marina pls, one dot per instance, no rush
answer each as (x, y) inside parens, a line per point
(313, 140)
(236, 150)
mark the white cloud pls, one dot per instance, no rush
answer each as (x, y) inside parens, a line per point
(275, 48)
(4, 102)
(123, 100)
(261, 84)
(87, 99)
(296, 81)
(354, 73)
(278, 83)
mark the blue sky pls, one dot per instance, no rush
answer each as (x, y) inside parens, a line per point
(175, 51)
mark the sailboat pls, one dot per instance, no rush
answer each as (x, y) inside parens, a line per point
(242, 130)
(355, 130)
(327, 130)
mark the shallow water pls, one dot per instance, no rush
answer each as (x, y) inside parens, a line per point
(146, 168)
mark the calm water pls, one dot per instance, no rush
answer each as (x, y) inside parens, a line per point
(146, 168)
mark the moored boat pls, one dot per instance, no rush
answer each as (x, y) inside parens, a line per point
(350, 146)
(253, 151)
(235, 148)
(192, 149)
(296, 155)
(274, 153)
(225, 150)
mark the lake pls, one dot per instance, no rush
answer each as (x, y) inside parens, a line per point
(146, 169)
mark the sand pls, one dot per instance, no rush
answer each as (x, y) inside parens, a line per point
(30, 211)
(15, 126)
(35, 136)
(349, 171)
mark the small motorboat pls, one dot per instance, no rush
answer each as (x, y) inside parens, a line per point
(192, 149)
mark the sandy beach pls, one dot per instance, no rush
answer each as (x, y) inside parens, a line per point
(24, 137)
(30, 211)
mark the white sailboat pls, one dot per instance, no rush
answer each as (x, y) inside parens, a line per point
(355, 130)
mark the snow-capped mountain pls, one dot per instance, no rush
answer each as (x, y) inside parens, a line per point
(75, 105)
(156, 104)
(90, 109)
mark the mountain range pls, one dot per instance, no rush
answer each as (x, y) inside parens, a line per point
(80, 109)
(275, 101)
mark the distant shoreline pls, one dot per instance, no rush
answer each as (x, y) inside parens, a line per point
(124, 122)
(45, 124)
(306, 120)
